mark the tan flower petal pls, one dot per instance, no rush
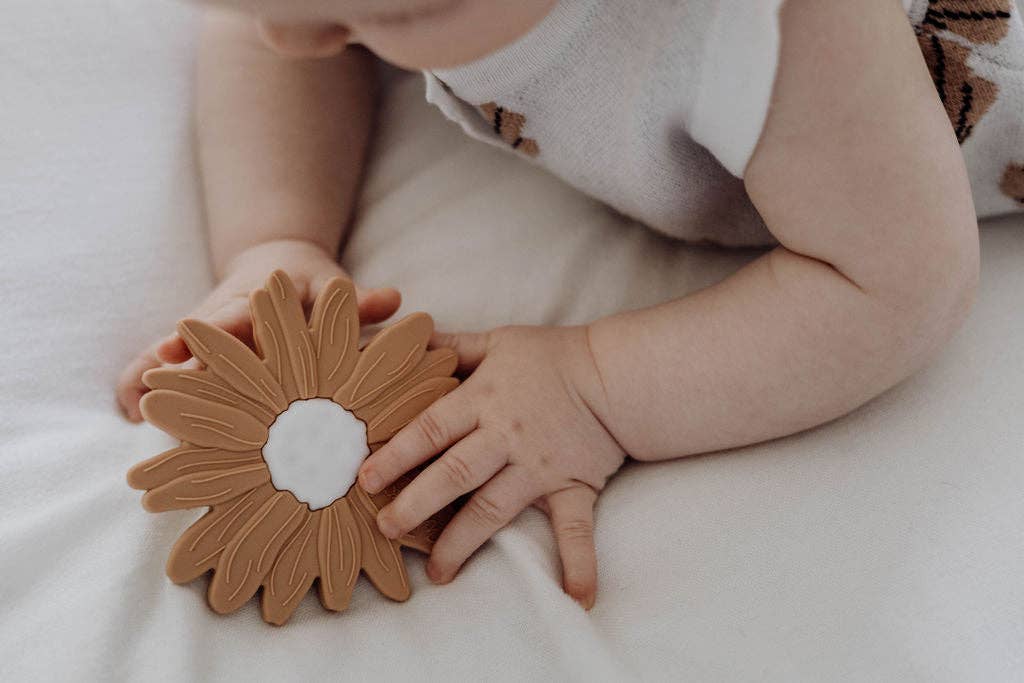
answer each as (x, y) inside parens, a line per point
(338, 554)
(206, 488)
(387, 360)
(269, 338)
(198, 549)
(380, 556)
(407, 406)
(334, 329)
(435, 363)
(292, 574)
(186, 459)
(288, 306)
(232, 361)
(202, 422)
(254, 549)
(205, 384)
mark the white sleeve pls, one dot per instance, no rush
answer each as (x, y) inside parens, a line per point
(736, 78)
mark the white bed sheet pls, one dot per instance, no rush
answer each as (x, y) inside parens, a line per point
(887, 545)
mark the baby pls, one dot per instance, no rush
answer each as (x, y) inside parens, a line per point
(830, 130)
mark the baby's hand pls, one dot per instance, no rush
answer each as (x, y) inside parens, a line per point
(522, 430)
(227, 306)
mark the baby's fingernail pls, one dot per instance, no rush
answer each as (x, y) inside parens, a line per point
(586, 601)
(433, 573)
(371, 481)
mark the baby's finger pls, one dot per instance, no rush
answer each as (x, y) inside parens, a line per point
(492, 507)
(444, 422)
(130, 387)
(471, 347)
(232, 316)
(572, 518)
(466, 466)
(377, 305)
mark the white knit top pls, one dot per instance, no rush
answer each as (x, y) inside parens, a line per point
(655, 106)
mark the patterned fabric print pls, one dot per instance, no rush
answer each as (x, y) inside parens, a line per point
(509, 126)
(948, 33)
(1013, 182)
(966, 96)
(979, 21)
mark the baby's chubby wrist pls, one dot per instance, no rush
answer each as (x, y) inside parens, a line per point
(292, 255)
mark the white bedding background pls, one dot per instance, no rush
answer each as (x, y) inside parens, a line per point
(887, 545)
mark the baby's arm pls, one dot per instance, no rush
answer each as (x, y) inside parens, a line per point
(859, 177)
(281, 145)
(281, 141)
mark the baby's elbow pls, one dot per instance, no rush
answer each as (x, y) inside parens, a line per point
(941, 281)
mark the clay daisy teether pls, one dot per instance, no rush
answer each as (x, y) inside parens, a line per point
(271, 443)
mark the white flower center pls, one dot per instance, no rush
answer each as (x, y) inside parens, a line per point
(314, 450)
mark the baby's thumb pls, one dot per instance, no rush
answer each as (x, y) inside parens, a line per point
(232, 317)
(378, 304)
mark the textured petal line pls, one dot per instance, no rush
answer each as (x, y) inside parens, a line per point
(277, 350)
(306, 367)
(320, 329)
(355, 389)
(344, 352)
(229, 473)
(427, 368)
(241, 539)
(205, 531)
(341, 546)
(292, 320)
(197, 539)
(174, 453)
(298, 556)
(248, 571)
(192, 499)
(220, 536)
(193, 416)
(267, 391)
(226, 394)
(371, 395)
(327, 574)
(193, 339)
(244, 442)
(298, 587)
(353, 571)
(438, 359)
(270, 541)
(209, 557)
(405, 363)
(215, 462)
(396, 407)
(334, 319)
(373, 540)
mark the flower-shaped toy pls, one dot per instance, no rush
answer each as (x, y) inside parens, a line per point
(271, 442)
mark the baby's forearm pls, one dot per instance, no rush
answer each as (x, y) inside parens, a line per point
(281, 142)
(785, 344)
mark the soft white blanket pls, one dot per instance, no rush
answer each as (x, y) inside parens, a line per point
(887, 545)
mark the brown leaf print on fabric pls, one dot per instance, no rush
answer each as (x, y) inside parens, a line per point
(509, 126)
(979, 21)
(1012, 184)
(966, 96)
